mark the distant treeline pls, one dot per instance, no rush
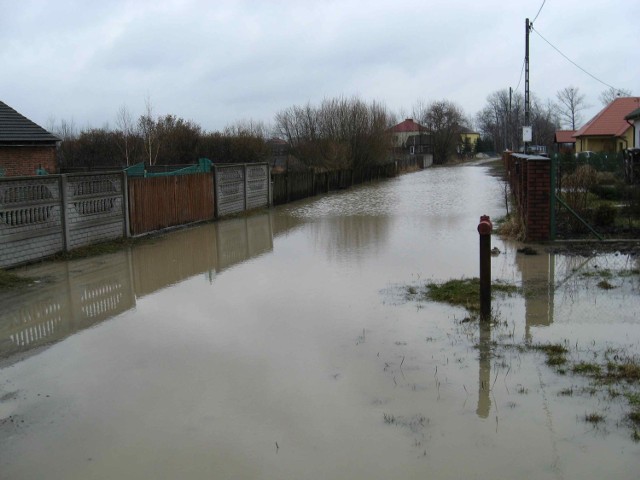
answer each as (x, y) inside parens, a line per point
(339, 133)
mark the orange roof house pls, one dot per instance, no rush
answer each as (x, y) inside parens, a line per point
(565, 140)
(634, 119)
(408, 128)
(608, 131)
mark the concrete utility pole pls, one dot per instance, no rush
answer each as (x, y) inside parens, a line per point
(527, 122)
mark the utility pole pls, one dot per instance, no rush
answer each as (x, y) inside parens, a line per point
(509, 134)
(526, 131)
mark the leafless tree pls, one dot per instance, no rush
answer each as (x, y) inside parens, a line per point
(610, 94)
(444, 119)
(127, 133)
(571, 103)
(341, 132)
(149, 131)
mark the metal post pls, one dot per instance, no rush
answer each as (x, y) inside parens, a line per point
(484, 229)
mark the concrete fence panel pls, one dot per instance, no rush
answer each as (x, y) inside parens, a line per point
(241, 187)
(31, 220)
(95, 208)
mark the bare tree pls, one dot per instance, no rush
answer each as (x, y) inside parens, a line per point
(127, 133)
(149, 130)
(444, 119)
(571, 103)
(610, 94)
(502, 118)
(340, 133)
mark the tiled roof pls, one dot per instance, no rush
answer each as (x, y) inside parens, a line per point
(408, 126)
(610, 120)
(16, 128)
(565, 136)
(635, 115)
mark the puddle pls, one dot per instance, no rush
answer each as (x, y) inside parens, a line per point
(279, 346)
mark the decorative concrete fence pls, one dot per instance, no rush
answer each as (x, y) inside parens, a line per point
(529, 178)
(241, 187)
(41, 216)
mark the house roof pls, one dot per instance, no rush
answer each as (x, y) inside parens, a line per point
(635, 115)
(610, 121)
(467, 131)
(408, 126)
(18, 129)
(565, 136)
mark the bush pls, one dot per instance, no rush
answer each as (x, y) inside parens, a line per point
(605, 215)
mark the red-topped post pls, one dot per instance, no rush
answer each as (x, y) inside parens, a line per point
(484, 229)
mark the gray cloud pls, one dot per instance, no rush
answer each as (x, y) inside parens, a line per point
(220, 62)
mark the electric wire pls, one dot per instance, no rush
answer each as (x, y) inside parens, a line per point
(571, 61)
(521, 72)
(539, 10)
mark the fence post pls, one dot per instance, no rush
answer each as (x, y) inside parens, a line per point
(64, 214)
(246, 187)
(484, 229)
(125, 206)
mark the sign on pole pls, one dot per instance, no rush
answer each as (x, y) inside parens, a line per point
(526, 134)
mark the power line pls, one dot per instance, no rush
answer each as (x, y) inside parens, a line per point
(521, 72)
(574, 63)
(539, 10)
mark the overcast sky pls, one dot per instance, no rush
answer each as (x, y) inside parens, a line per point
(219, 62)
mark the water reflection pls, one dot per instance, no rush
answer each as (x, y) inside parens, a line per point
(351, 237)
(78, 295)
(82, 293)
(566, 288)
(538, 288)
(484, 371)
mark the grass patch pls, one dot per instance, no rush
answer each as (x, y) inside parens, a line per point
(606, 273)
(465, 292)
(605, 285)
(9, 280)
(594, 418)
(555, 352)
(586, 368)
(634, 416)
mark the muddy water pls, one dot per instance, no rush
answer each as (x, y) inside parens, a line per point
(282, 346)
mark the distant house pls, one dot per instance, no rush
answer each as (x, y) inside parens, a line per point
(608, 131)
(25, 148)
(634, 119)
(469, 140)
(409, 137)
(565, 141)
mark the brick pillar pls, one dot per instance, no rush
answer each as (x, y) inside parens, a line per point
(538, 201)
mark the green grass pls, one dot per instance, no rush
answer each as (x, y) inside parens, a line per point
(464, 292)
(556, 353)
(594, 418)
(586, 368)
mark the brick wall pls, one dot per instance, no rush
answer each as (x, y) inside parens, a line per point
(24, 161)
(530, 182)
(538, 213)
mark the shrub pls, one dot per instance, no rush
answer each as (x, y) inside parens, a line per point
(605, 215)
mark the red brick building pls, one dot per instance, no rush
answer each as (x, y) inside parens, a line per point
(25, 147)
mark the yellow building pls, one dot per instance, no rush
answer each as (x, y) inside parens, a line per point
(470, 138)
(608, 131)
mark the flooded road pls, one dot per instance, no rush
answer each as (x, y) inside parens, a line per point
(282, 346)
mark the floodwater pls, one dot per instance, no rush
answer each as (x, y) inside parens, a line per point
(282, 346)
